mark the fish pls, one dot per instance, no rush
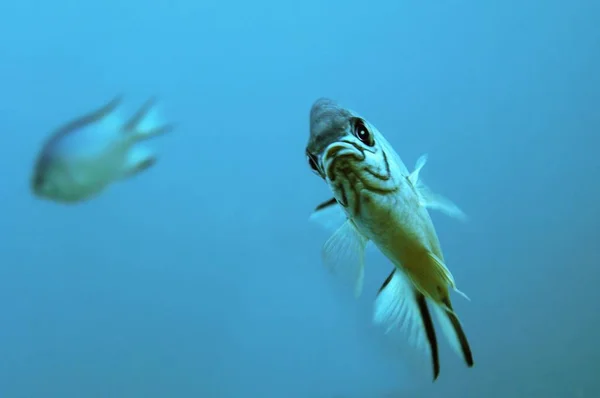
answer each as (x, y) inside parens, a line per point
(83, 157)
(381, 203)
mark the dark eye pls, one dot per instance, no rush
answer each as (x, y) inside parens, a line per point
(312, 162)
(362, 133)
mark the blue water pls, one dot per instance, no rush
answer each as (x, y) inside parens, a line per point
(203, 276)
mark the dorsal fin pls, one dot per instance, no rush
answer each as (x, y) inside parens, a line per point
(89, 118)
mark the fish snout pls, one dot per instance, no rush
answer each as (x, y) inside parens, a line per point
(41, 185)
(340, 155)
(38, 181)
(339, 150)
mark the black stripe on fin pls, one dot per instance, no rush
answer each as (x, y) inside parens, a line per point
(430, 331)
(386, 281)
(427, 324)
(137, 117)
(326, 204)
(86, 119)
(462, 338)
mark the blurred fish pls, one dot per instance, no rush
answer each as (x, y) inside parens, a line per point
(384, 203)
(83, 157)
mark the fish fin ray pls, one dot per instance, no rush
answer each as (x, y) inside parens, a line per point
(414, 176)
(399, 305)
(146, 123)
(428, 198)
(431, 200)
(345, 250)
(452, 329)
(441, 269)
(446, 275)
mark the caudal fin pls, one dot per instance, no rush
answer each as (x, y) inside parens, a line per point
(146, 123)
(453, 331)
(400, 305)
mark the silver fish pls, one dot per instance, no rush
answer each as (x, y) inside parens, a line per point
(384, 203)
(86, 155)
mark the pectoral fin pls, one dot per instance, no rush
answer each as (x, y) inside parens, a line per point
(438, 202)
(429, 199)
(414, 176)
(329, 215)
(345, 250)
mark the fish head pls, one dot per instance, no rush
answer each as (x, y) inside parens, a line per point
(53, 180)
(46, 177)
(346, 150)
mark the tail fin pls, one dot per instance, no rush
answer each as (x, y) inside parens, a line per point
(453, 331)
(146, 122)
(400, 304)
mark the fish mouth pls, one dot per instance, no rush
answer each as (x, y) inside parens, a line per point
(342, 149)
(347, 166)
(36, 182)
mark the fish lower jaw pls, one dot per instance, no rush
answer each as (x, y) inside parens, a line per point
(341, 168)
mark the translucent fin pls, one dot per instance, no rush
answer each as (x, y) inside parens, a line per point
(146, 123)
(438, 202)
(452, 329)
(329, 215)
(414, 176)
(345, 250)
(138, 159)
(94, 116)
(429, 199)
(446, 275)
(400, 305)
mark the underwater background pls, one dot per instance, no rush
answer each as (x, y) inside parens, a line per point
(203, 277)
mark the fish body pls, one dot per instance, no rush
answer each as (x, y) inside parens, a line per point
(83, 157)
(385, 204)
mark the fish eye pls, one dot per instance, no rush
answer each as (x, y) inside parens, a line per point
(312, 162)
(362, 133)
